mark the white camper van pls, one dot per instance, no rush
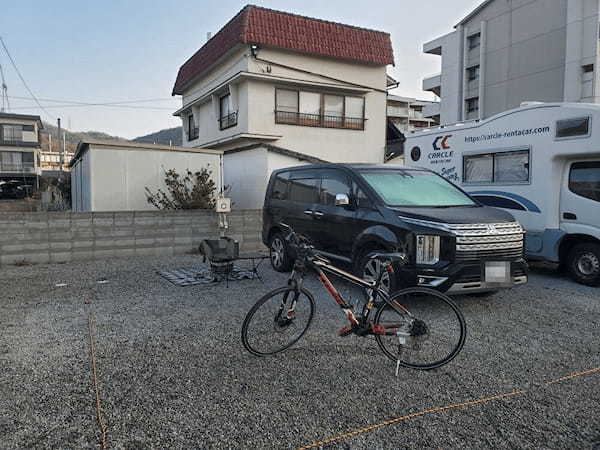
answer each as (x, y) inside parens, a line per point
(541, 162)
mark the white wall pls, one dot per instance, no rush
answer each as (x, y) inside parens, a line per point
(120, 176)
(248, 173)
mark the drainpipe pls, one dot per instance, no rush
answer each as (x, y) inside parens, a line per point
(461, 73)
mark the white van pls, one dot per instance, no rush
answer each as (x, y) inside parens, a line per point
(541, 162)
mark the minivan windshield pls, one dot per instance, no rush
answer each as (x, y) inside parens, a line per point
(415, 188)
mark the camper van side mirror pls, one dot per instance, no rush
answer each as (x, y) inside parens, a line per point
(342, 200)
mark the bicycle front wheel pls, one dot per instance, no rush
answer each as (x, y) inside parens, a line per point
(277, 321)
(424, 329)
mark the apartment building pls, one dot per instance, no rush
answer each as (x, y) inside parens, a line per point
(274, 89)
(506, 52)
(19, 152)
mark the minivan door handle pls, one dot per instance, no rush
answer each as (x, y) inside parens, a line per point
(569, 216)
(318, 214)
(308, 212)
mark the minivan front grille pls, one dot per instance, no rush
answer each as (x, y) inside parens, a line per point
(475, 242)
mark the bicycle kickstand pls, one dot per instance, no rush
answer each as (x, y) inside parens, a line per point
(401, 342)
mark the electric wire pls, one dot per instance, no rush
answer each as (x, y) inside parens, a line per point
(23, 79)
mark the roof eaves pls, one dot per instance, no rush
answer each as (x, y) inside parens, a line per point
(279, 150)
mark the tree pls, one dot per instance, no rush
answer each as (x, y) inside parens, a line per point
(192, 190)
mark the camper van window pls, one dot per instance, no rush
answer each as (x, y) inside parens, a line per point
(511, 166)
(500, 167)
(584, 179)
(479, 168)
(573, 127)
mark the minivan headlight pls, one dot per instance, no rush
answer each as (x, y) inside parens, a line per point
(428, 249)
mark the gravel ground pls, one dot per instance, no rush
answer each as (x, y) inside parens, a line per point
(172, 371)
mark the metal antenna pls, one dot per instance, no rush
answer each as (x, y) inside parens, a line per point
(5, 102)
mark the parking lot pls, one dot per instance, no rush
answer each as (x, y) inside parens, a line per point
(171, 371)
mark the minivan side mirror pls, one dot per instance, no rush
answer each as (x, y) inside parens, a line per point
(342, 200)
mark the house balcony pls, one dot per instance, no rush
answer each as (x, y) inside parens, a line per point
(12, 168)
(228, 121)
(317, 120)
(433, 84)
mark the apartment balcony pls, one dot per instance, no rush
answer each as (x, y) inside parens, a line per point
(431, 110)
(11, 168)
(433, 84)
(316, 120)
(397, 111)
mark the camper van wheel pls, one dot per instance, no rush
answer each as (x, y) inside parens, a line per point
(584, 263)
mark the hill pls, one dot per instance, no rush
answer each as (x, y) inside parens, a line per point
(169, 136)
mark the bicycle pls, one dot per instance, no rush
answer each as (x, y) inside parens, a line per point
(407, 325)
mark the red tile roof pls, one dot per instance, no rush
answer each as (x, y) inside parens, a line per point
(255, 25)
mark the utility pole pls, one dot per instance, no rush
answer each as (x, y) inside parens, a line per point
(61, 153)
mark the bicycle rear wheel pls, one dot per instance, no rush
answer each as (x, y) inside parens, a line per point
(424, 329)
(277, 321)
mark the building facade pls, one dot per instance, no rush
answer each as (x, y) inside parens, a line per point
(507, 52)
(19, 153)
(303, 86)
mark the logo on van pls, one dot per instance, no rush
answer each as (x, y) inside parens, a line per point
(444, 142)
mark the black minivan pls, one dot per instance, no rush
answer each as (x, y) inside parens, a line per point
(348, 211)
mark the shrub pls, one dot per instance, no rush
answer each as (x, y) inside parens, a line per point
(191, 190)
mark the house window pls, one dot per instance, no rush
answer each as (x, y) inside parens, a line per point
(228, 117)
(472, 104)
(193, 131)
(570, 128)
(318, 110)
(500, 167)
(474, 41)
(473, 73)
(12, 133)
(587, 68)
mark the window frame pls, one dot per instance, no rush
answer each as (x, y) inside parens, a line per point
(494, 152)
(471, 38)
(319, 120)
(193, 131)
(471, 99)
(579, 136)
(229, 120)
(476, 68)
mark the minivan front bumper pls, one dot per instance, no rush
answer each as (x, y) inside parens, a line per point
(468, 278)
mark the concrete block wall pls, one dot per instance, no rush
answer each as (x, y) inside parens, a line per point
(53, 237)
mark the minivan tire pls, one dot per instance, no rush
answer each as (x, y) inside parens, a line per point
(279, 253)
(363, 269)
(583, 263)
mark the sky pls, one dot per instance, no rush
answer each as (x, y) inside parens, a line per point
(130, 50)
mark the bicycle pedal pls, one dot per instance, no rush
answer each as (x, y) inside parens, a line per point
(345, 331)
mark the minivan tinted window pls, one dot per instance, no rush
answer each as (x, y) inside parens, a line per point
(280, 186)
(333, 182)
(304, 186)
(415, 188)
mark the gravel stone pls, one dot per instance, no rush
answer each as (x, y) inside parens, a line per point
(173, 373)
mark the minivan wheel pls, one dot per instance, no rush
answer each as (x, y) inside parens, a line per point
(583, 263)
(370, 269)
(279, 254)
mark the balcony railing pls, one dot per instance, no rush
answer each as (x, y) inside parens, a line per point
(194, 133)
(317, 120)
(16, 167)
(228, 121)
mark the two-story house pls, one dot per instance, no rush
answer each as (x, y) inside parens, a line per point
(274, 89)
(19, 150)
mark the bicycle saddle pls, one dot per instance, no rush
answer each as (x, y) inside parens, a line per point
(394, 257)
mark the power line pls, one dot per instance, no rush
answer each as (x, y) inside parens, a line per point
(23, 79)
(70, 105)
(78, 102)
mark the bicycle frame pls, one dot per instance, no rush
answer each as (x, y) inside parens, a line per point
(320, 267)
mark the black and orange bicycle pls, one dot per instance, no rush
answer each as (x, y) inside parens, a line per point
(417, 327)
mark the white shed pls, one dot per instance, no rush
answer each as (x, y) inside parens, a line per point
(113, 175)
